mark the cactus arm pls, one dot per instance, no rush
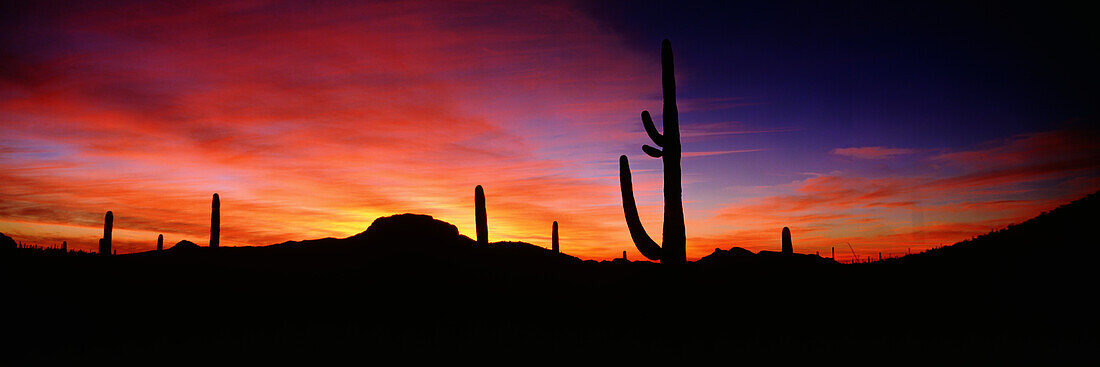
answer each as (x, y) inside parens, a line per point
(647, 122)
(652, 152)
(641, 239)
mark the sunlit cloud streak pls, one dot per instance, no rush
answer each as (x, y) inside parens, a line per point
(312, 121)
(871, 152)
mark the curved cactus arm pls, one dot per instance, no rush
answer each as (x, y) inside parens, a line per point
(652, 152)
(645, 244)
(647, 122)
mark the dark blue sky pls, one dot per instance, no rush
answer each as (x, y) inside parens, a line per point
(917, 75)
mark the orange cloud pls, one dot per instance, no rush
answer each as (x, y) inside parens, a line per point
(313, 121)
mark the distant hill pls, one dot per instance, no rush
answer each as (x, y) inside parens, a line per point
(399, 243)
(1062, 235)
(6, 242)
(183, 245)
(737, 256)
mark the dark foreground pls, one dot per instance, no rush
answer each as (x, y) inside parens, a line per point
(413, 289)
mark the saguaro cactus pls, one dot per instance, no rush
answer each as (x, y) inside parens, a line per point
(554, 238)
(160, 242)
(480, 217)
(674, 238)
(105, 242)
(64, 246)
(787, 247)
(215, 221)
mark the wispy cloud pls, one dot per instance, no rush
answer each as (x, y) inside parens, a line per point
(720, 152)
(871, 152)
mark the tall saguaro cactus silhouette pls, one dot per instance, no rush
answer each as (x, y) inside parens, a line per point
(788, 248)
(554, 238)
(160, 242)
(105, 242)
(674, 238)
(215, 221)
(480, 217)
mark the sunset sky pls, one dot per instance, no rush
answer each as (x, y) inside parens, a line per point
(888, 127)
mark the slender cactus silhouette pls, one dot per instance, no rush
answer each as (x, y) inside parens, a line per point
(105, 242)
(554, 238)
(160, 242)
(64, 246)
(788, 248)
(215, 221)
(672, 250)
(480, 217)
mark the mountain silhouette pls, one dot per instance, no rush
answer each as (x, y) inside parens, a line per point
(1058, 231)
(737, 256)
(415, 228)
(184, 245)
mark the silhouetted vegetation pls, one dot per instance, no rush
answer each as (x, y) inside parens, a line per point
(788, 247)
(480, 217)
(215, 221)
(105, 242)
(160, 242)
(554, 238)
(11, 248)
(672, 249)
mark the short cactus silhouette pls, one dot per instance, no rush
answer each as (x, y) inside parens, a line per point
(624, 256)
(215, 221)
(554, 238)
(105, 242)
(787, 247)
(160, 242)
(674, 241)
(480, 217)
